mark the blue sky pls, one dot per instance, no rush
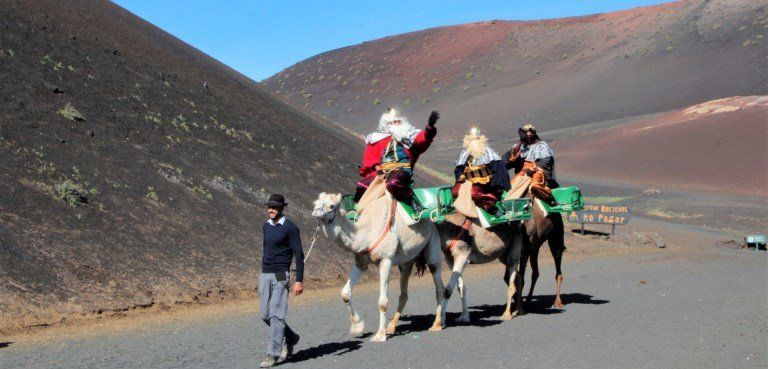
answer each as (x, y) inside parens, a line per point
(260, 38)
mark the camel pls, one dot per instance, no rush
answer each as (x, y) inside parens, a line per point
(466, 242)
(539, 228)
(381, 237)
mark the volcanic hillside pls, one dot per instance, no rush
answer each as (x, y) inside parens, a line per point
(134, 167)
(556, 73)
(718, 146)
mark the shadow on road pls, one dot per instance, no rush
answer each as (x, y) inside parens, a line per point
(488, 315)
(419, 323)
(5, 344)
(588, 232)
(333, 348)
(542, 304)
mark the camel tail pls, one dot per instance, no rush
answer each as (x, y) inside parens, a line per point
(421, 262)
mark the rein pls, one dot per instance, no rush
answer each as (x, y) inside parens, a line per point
(464, 228)
(378, 242)
(312, 244)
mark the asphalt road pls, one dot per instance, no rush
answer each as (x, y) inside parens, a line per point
(654, 310)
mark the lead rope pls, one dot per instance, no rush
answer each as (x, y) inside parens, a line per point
(311, 244)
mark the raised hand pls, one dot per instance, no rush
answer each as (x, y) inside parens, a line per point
(433, 117)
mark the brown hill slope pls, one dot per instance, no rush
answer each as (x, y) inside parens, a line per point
(154, 195)
(556, 73)
(717, 146)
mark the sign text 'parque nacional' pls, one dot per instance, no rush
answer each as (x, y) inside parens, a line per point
(601, 214)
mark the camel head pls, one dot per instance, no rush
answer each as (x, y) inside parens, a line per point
(327, 207)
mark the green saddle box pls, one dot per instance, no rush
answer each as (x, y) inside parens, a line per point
(566, 199)
(430, 202)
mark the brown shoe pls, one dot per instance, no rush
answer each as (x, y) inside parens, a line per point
(268, 362)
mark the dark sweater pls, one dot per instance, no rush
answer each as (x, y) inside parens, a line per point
(281, 244)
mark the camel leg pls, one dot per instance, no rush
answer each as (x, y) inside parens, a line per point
(534, 271)
(405, 274)
(512, 276)
(464, 317)
(356, 324)
(460, 260)
(385, 270)
(435, 263)
(512, 291)
(557, 246)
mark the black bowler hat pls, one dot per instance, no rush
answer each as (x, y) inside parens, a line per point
(276, 200)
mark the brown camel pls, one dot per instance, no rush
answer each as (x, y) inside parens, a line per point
(467, 242)
(539, 228)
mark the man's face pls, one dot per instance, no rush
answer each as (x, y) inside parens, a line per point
(529, 136)
(274, 212)
(395, 122)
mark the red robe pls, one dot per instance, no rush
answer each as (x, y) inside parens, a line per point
(374, 151)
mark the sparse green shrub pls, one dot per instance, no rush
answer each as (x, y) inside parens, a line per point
(536, 71)
(200, 190)
(375, 82)
(376, 102)
(70, 192)
(407, 102)
(152, 195)
(70, 113)
(153, 117)
(469, 75)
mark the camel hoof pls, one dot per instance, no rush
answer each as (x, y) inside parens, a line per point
(436, 328)
(558, 304)
(507, 315)
(379, 337)
(463, 318)
(391, 329)
(356, 329)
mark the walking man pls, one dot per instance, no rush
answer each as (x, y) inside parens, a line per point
(281, 244)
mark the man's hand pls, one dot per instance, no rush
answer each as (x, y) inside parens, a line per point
(433, 117)
(298, 288)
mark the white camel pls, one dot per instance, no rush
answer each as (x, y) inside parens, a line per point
(380, 236)
(467, 242)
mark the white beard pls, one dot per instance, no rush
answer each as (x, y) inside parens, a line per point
(402, 131)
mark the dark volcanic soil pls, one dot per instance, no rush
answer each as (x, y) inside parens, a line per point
(165, 168)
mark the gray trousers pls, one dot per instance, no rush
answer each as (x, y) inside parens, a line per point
(273, 300)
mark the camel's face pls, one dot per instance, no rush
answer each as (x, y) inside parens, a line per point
(326, 207)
